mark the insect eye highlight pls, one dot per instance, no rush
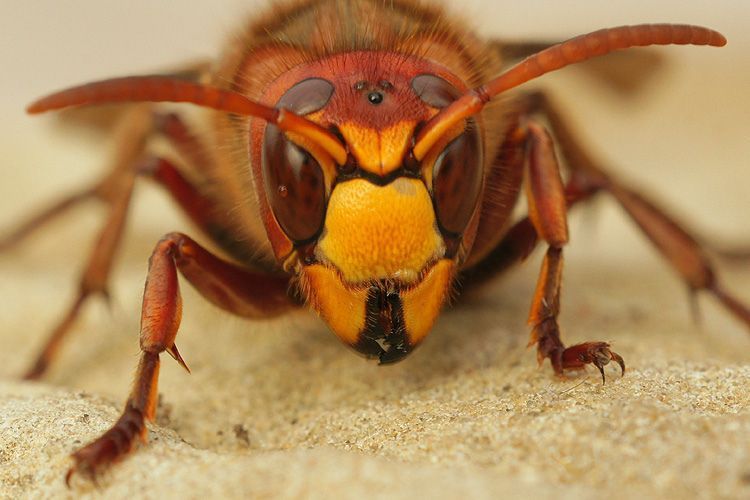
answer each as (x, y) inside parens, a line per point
(294, 185)
(457, 181)
(292, 177)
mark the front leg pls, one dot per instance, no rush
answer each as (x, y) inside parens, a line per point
(548, 215)
(237, 290)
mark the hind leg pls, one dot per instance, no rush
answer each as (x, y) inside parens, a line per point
(683, 251)
(115, 189)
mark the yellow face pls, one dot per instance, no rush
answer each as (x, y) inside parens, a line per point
(376, 241)
(376, 232)
(381, 274)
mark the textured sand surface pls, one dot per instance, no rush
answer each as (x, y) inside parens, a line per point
(469, 414)
(281, 409)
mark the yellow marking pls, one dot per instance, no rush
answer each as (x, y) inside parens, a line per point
(291, 122)
(341, 307)
(378, 151)
(423, 302)
(449, 117)
(324, 159)
(380, 232)
(428, 163)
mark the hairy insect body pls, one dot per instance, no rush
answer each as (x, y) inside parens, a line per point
(360, 47)
(380, 228)
(365, 155)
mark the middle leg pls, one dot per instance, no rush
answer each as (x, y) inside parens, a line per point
(131, 161)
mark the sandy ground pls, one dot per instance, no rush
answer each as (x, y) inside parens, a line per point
(281, 409)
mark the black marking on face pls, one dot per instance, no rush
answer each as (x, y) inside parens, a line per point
(384, 335)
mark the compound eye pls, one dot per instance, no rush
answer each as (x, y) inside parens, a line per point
(294, 185)
(292, 177)
(457, 181)
(434, 91)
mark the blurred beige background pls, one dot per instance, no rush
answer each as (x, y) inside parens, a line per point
(684, 128)
(469, 411)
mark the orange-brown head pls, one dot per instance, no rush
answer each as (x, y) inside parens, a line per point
(368, 169)
(375, 241)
